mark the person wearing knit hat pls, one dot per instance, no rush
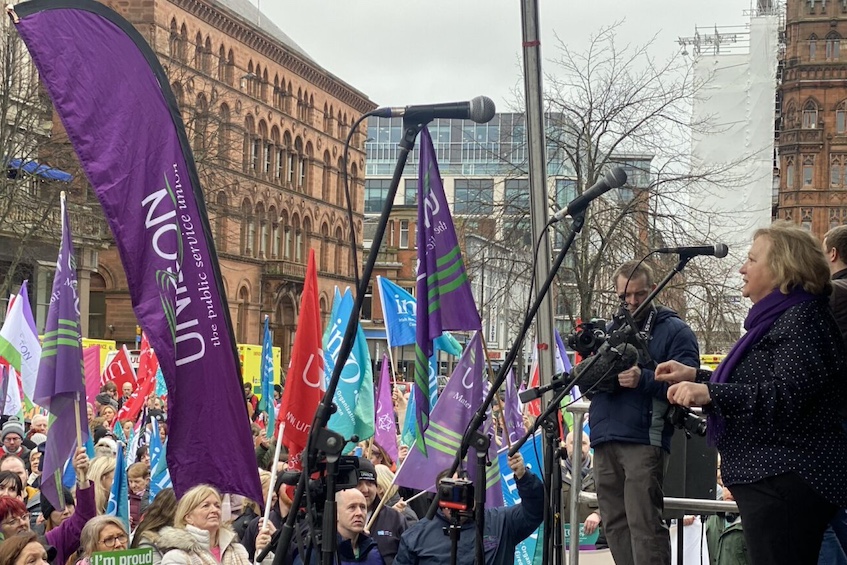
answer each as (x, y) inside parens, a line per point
(11, 435)
(389, 524)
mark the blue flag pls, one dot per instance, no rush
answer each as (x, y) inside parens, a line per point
(398, 310)
(266, 404)
(354, 396)
(69, 476)
(118, 505)
(160, 477)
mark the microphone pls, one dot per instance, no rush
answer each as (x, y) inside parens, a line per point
(614, 178)
(718, 250)
(480, 109)
(609, 361)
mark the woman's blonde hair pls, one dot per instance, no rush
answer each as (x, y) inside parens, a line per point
(191, 500)
(796, 258)
(385, 480)
(100, 466)
(90, 535)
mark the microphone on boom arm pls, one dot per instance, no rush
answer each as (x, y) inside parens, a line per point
(718, 250)
(601, 374)
(480, 110)
(614, 178)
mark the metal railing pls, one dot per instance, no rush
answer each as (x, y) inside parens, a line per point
(578, 409)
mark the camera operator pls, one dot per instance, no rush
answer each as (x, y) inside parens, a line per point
(630, 437)
(426, 542)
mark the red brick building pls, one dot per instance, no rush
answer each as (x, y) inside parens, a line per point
(267, 125)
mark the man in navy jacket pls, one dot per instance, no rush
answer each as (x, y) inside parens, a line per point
(629, 435)
(424, 543)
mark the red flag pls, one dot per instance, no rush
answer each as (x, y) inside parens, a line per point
(146, 383)
(305, 385)
(533, 407)
(119, 371)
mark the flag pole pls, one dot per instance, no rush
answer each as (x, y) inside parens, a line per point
(384, 498)
(269, 494)
(491, 378)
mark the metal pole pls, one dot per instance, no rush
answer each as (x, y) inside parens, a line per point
(537, 145)
(538, 183)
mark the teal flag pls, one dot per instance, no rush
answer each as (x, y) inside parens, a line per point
(354, 396)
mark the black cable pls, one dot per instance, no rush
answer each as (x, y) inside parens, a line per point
(354, 248)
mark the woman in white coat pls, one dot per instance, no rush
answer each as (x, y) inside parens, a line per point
(198, 536)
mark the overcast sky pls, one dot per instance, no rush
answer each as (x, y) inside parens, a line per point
(402, 52)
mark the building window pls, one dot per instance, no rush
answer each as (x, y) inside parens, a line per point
(810, 115)
(473, 196)
(833, 46)
(837, 170)
(410, 195)
(565, 192)
(808, 170)
(841, 118)
(367, 304)
(837, 217)
(516, 197)
(813, 46)
(806, 218)
(789, 172)
(376, 191)
(404, 234)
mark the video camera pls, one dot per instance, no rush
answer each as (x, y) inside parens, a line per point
(588, 337)
(456, 494)
(347, 477)
(684, 419)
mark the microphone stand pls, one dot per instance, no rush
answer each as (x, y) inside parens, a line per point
(481, 445)
(321, 439)
(479, 416)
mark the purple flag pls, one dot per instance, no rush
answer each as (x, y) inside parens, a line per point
(452, 413)
(385, 434)
(512, 409)
(445, 300)
(60, 386)
(115, 103)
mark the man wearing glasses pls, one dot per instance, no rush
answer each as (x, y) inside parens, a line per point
(629, 435)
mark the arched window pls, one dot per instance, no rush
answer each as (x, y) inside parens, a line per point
(273, 234)
(183, 44)
(201, 122)
(230, 68)
(790, 115)
(310, 116)
(324, 260)
(265, 148)
(305, 169)
(263, 232)
(298, 172)
(198, 51)
(222, 64)
(220, 222)
(251, 145)
(241, 317)
(264, 93)
(339, 250)
(813, 47)
(173, 40)
(841, 118)
(307, 237)
(207, 55)
(790, 172)
(833, 46)
(275, 172)
(290, 160)
(224, 134)
(285, 235)
(300, 111)
(277, 100)
(810, 115)
(339, 184)
(298, 238)
(97, 307)
(326, 177)
(248, 228)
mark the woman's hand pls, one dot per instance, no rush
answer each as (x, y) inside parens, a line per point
(591, 523)
(689, 394)
(675, 372)
(80, 464)
(264, 536)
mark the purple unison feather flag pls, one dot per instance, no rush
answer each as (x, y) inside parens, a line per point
(60, 386)
(385, 430)
(114, 100)
(460, 399)
(512, 409)
(445, 300)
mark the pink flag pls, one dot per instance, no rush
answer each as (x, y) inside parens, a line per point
(385, 430)
(91, 362)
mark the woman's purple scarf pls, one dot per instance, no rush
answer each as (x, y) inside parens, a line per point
(759, 320)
